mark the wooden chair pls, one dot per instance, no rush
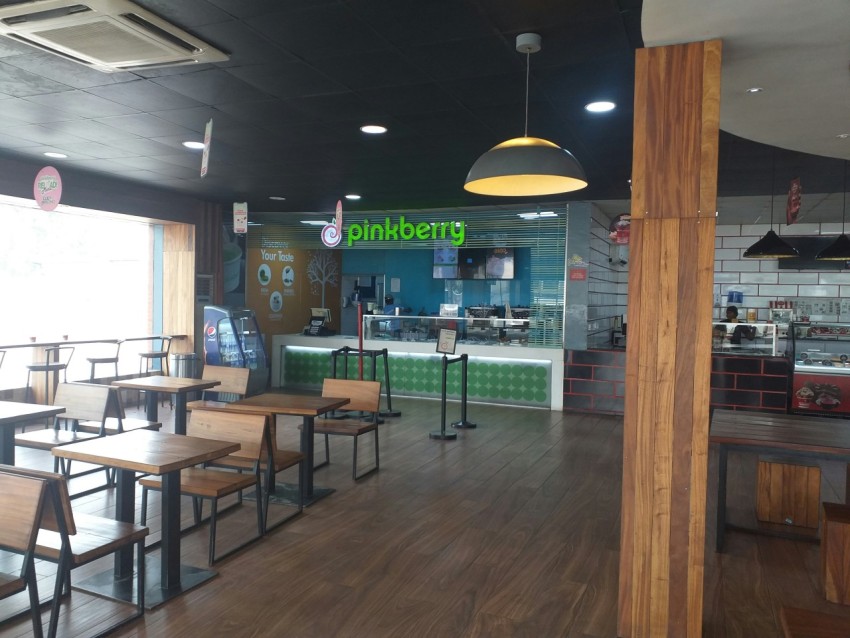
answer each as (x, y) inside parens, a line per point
(111, 357)
(82, 402)
(21, 501)
(804, 623)
(251, 432)
(72, 540)
(116, 419)
(160, 353)
(234, 386)
(282, 460)
(58, 360)
(364, 396)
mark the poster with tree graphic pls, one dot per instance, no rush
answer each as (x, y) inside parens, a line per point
(322, 269)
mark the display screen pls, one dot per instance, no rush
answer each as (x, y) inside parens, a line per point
(500, 263)
(445, 271)
(471, 263)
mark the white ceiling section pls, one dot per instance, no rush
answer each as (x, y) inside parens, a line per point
(798, 52)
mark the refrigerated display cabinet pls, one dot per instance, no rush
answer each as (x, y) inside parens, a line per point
(232, 338)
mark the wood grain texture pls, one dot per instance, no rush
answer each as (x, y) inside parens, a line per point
(178, 284)
(835, 553)
(667, 358)
(788, 493)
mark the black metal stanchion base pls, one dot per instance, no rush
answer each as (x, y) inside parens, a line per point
(390, 413)
(446, 436)
(465, 425)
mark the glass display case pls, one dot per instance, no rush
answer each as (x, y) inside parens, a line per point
(472, 330)
(821, 352)
(758, 339)
(232, 338)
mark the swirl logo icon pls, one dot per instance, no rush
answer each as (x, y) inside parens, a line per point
(332, 233)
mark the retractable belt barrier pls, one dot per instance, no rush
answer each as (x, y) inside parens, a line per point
(463, 423)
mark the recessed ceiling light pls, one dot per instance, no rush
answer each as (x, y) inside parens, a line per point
(600, 107)
(314, 222)
(755, 89)
(841, 136)
(545, 213)
(373, 129)
(55, 155)
(352, 196)
(277, 198)
(195, 146)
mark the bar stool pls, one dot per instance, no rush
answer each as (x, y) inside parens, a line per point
(147, 358)
(58, 358)
(113, 359)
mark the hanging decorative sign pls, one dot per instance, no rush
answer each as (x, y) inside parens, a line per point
(205, 160)
(618, 230)
(47, 188)
(240, 217)
(795, 197)
(332, 233)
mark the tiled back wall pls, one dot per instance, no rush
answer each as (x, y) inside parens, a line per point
(761, 281)
(607, 285)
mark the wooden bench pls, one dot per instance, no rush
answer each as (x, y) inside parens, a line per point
(72, 540)
(234, 382)
(365, 397)
(804, 623)
(252, 433)
(21, 502)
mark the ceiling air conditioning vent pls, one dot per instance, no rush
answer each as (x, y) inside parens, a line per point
(107, 35)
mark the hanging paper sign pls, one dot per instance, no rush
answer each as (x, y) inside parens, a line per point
(206, 157)
(618, 230)
(795, 197)
(240, 217)
(47, 188)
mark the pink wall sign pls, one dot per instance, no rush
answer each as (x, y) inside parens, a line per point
(47, 188)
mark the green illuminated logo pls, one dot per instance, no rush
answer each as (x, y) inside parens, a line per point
(389, 231)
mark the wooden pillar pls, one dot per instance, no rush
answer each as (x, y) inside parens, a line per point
(668, 357)
(178, 289)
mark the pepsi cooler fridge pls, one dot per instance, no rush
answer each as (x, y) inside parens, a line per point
(232, 338)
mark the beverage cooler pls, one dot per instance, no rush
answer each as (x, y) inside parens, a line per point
(232, 338)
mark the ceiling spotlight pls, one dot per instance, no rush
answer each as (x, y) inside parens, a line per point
(843, 136)
(600, 107)
(373, 129)
(525, 166)
(755, 89)
(195, 146)
(315, 222)
(352, 196)
(277, 198)
(55, 155)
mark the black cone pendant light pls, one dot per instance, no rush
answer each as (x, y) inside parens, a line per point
(525, 166)
(839, 250)
(771, 246)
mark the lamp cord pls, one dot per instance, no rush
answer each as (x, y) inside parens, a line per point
(772, 185)
(527, 74)
(844, 198)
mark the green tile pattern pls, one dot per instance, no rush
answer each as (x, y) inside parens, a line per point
(515, 383)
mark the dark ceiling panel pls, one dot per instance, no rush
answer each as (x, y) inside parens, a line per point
(65, 72)
(288, 79)
(212, 86)
(20, 83)
(145, 125)
(143, 95)
(23, 110)
(80, 104)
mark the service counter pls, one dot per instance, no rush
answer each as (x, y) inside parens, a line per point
(509, 374)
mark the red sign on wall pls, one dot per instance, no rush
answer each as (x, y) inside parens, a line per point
(578, 274)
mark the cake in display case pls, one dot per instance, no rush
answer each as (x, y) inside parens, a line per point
(821, 352)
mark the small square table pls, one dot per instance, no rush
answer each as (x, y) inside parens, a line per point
(170, 385)
(152, 452)
(13, 414)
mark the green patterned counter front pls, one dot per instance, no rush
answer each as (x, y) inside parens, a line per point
(489, 379)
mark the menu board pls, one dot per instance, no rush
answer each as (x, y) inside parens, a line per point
(809, 306)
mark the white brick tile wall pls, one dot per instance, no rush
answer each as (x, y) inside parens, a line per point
(761, 278)
(728, 277)
(800, 278)
(817, 291)
(788, 291)
(800, 229)
(723, 254)
(736, 242)
(750, 265)
(834, 278)
(728, 231)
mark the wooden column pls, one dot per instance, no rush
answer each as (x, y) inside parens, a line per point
(178, 289)
(668, 357)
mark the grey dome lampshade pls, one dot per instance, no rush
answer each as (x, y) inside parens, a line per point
(525, 166)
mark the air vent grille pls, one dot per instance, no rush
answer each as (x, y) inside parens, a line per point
(100, 39)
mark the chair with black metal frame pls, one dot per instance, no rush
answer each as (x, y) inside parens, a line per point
(112, 358)
(147, 357)
(57, 359)
(252, 433)
(22, 502)
(364, 397)
(72, 539)
(82, 402)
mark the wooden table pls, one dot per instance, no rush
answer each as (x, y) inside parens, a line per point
(792, 435)
(307, 407)
(13, 414)
(160, 453)
(170, 385)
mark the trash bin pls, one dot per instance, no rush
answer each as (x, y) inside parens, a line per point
(184, 364)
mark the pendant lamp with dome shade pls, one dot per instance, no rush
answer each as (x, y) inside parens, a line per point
(525, 166)
(771, 246)
(839, 250)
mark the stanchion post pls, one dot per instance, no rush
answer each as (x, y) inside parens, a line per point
(441, 433)
(389, 411)
(463, 423)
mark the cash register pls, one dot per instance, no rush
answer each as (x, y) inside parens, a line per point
(319, 320)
